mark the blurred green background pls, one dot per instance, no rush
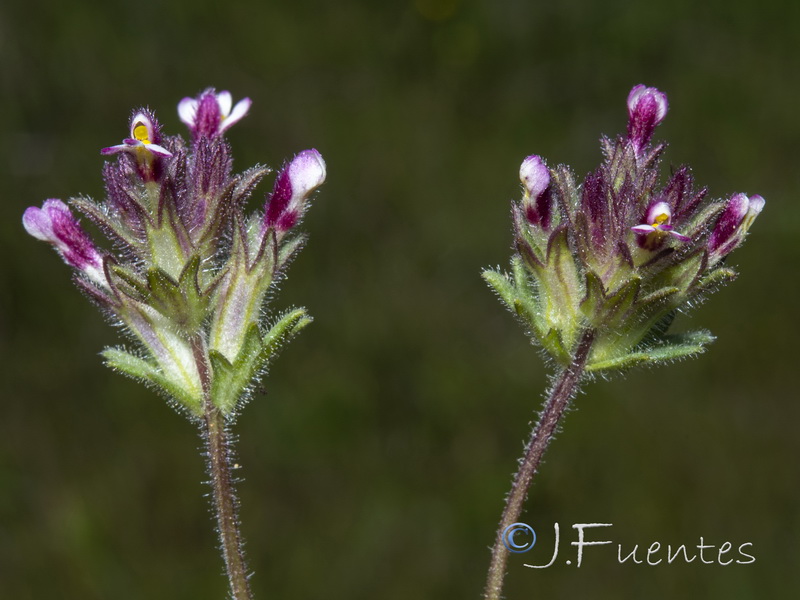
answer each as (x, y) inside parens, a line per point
(377, 463)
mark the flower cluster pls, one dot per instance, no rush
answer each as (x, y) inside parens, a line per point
(191, 270)
(618, 254)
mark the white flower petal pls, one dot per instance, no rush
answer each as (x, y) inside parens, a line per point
(158, 150)
(657, 210)
(38, 224)
(307, 172)
(225, 102)
(187, 110)
(239, 111)
(141, 119)
(756, 205)
(534, 175)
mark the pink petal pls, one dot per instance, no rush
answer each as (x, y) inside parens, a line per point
(115, 149)
(634, 95)
(680, 236)
(658, 97)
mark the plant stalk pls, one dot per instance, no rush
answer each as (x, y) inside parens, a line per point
(565, 387)
(225, 503)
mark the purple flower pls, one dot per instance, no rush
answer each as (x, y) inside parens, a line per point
(211, 114)
(537, 203)
(54, 223)
(733, 223)
(657, 224)
(144, 146)
(144, 134)
(295, 182)
(647, 107)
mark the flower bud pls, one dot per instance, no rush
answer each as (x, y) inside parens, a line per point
(54, 223)
(534, 175)
(537, 202)
(293, 185)
(307, 172)
(279, 199)
(647, 107)
(733, 223)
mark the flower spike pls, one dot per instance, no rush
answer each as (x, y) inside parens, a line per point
(193, 275)
(622, 253)
(599, 287)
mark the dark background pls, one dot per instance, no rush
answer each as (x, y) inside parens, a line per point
(377, 463)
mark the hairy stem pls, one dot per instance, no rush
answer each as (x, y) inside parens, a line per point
(219, 467)
(566, 384)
